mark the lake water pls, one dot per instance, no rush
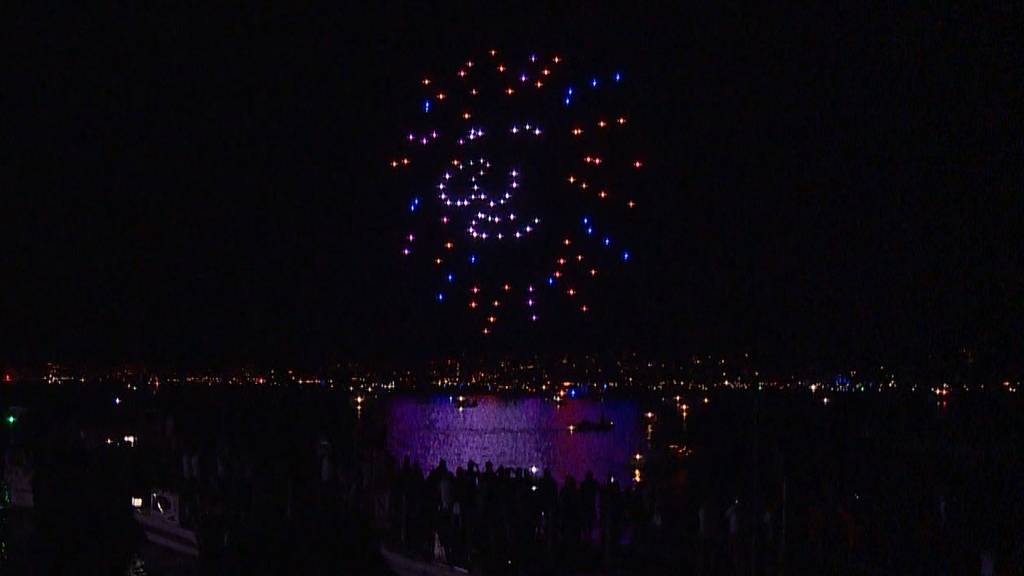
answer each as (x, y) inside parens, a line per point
(516, 432)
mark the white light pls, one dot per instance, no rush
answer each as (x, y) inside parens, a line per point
(136, 502)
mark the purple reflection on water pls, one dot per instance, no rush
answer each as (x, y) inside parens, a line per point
(516, 432)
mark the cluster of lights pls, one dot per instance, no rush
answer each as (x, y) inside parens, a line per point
(472, 122)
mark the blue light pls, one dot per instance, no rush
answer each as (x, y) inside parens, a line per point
(569, 91)
(586, 220)
(617, 76)
(567, 101)
(625, 256)
(450, 277)
(607, 241)
(440, 296)
(414, 204)
(572, 392)
(426, 105)
(551, 280)
(472, 258)
(590, 230)
(593, 83)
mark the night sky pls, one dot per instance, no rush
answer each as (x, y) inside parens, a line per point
(212, 188)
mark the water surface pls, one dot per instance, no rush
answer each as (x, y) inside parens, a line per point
(516, 432)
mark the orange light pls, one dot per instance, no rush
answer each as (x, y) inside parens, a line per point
(561, 261)
(475, 290)
(602, 194)
(556, 59)
(558, 274)
(449, 245)
(491, 319)
(494, 52)
(440, 96)
(426, 81)
(473, 92)
(538, 84)
(631, 204)
(472, 304)
(509, 91)
(566, 242)
(583, 185)
(437, 261)
(507, 287)
(577, 131)
(462, 73)
(593, 271)
(466, 116)
(584, 308)
(545, 71)
(597, 161)
(501, 67)
(405, 161)
(487, 330)
(601, 123)
(495, 303)
(469, 64)
(579, 257)
(394, 163)
(621, 120)
(572, 179)
(571, 292)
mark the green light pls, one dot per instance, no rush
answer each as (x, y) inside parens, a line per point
(11, 419)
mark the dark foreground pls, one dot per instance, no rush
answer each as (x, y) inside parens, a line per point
(280, 481)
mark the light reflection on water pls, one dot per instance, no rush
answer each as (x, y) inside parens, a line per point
(516, 432)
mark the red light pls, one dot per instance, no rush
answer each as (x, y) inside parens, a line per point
(638, 164)
(472, 304)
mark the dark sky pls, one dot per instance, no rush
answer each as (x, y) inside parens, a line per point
(207, 188)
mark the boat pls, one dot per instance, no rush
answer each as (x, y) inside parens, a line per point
(161, 522)
(602, 425)
(464, 402)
